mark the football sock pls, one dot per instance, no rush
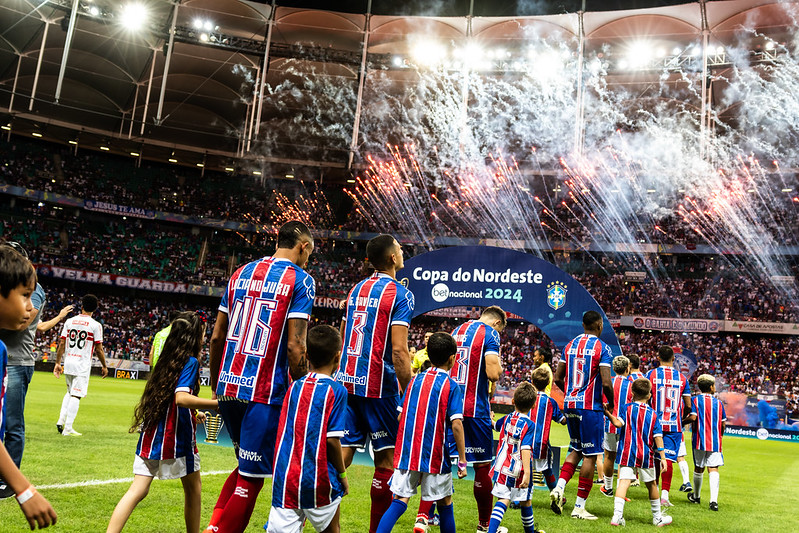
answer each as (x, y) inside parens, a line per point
(608, 482)
(482, 493)
(224, 496)
(381, 496)
(528, 522)
(395, 510)
(550, 478)
(684, 471)
(447, 516)
(697, 483)
(584, 487)
(64, 403)
(72, 412)
(239, 508)
(426, 509)
(496, 517)
(566, 473)
(714, 486)
(665, 480)
(618, 507)
(655, 505)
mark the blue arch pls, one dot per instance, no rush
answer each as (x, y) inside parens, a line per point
(520, 283)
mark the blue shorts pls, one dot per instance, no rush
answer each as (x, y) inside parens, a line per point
(479, 436)
(252, 427)
(586, 430)
(671, 442)
(373, 419)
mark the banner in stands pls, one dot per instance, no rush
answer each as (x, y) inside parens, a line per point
(766, 412)
(762, 433)
(520, 283)
(114, 209)
(778, 328)
(110, 279)
(689, 325)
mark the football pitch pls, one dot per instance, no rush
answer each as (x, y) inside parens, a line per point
(84, 477)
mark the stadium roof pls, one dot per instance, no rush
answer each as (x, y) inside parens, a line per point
(117, 92)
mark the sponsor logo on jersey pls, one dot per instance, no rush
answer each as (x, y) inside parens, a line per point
(346, 378)
(232, 379)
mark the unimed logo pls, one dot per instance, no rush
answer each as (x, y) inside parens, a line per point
(440, 292)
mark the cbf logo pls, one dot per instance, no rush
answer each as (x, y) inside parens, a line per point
(556, 295)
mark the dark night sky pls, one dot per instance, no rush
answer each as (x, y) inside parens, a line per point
(482, 8)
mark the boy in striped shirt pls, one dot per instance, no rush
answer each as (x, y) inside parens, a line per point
(544, 411)
(709, 422)
(431, 402)
(621, 397)
(310, 478)
(641, 434)
(511, 471)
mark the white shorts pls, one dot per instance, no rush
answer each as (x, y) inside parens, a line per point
(292, 520)
(433, 486)
(539, 465)
(77, 385)
(611, 442)
(627, 472)
(682, 451)
(704, 459)
(166, 468)
(513, 494)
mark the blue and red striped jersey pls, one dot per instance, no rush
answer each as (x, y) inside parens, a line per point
(622, 395)
(635, 374)
(3, 385)
(431, 402)
(668, 388)
(260, 298)
(583, 356)
(515, 434)
(542, 414)
(707, 430)
(314, 410)
(641, 426)
(475, 340)
(373, 306)
(173, 436)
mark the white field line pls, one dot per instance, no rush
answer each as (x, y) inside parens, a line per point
(96, 482)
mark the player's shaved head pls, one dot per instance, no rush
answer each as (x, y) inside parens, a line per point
(292, 233)
(592, 321)
(379, 250)
(666, 354)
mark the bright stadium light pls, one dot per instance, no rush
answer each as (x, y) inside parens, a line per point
(94, 11)
(428, 53)
(134, 16)
(198, 24)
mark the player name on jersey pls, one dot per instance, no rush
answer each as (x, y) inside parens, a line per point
(258, 285)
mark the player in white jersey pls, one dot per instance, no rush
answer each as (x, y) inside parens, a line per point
(81, 338)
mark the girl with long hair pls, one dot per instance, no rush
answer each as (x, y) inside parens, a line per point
(167, 420)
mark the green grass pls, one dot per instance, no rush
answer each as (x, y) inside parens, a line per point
(759, 485)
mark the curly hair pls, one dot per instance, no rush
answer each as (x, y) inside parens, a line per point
(184, 341)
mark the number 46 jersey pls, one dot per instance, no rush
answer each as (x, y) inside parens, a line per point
(80, 334)
(260, 298)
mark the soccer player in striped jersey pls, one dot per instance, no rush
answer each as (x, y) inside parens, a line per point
(709, 422)
(165, 414)
(430, 404)
(671, 399)
(17, 284)
(310, 478)
(511, 471)
(376, 364)
(635, 366)
(81, 338)
(477, 367)
(583, 374)
(641, 434)
(257, 346)
(544, 411)
(621, 397)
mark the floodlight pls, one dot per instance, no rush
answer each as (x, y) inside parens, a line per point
(204, 37)
(198, 23)
(770, 45)
(134, 16)
(94, 11)
(397, 61)
(428, 52)
(36, 134)
(208, 25)
(104, 148)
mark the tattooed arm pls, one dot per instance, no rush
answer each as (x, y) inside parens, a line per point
(298, 364)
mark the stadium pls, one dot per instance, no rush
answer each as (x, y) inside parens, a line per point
(637, 158)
